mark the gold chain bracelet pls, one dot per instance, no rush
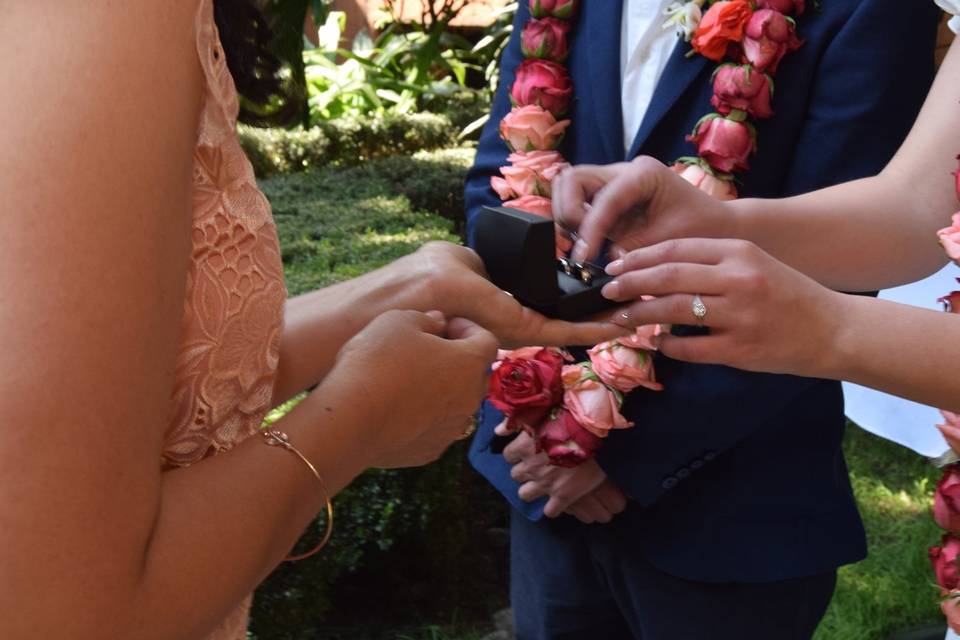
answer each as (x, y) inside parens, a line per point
(276, 438)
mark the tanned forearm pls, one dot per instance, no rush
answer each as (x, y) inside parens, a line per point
(878, 232)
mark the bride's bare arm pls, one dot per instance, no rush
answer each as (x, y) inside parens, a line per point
(858, 236)
(98, 118)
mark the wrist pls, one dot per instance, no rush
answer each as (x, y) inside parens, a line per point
(836, 343)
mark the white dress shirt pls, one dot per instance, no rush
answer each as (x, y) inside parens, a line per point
(645, 48)
(952, 7)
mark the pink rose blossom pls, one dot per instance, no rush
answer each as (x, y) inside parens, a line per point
(769, 36)
(742, 87)
(543, 83)
(565, 441)
(725, 143)
(944, 561)
(951, 610)
(546, 39)
(537, 205)
(591, 402)
(623, 368)
(643, 336)
(950, 238)
(951, 430)
(705, 181)
(946, 500)
(532, 128)
(556, 8)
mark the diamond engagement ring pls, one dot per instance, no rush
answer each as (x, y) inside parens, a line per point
(699, 309)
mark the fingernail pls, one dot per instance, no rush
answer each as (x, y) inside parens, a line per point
(615, 268)
(580, 251)
(611, 291)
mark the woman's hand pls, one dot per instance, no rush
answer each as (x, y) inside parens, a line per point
(456, 283)
(423, 378)
(762, 315)
(635, 204)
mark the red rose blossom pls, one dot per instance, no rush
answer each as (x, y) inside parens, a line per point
(788, 7)
(742, 87)
(555, 8)
(546, 39)
(957, 176)
(565, 440)
(768, 37)
(944, 561)
(720, 27)
(543, 83)
(725, 143)
(946, 501)
(527, 388)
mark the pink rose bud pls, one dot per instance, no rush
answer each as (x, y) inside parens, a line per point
(623, 368)
(951, 610)
(944, 561)
(591, 402)
(643, 337)
(742, 87)
(725, 143)
(543, 83)
(720, 188)
(565, 440)
(556, 8)
(546, 39)
(951, 430)
(788, 7)
(532, 128)
(951, 302)
(946, 500)
(950, 238)
(768, 37)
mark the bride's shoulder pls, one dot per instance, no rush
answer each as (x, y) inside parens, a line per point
(953, 8)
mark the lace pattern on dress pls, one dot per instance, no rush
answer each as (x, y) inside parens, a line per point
(234, 301)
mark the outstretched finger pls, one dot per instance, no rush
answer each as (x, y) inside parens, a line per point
(665, 279)
(708, 251)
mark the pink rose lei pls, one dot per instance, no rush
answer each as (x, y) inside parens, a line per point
(569, 409)
(946, 500)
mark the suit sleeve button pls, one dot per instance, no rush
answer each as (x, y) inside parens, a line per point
(683, 473)
(696, 465)
(709, 456)
(670, 483)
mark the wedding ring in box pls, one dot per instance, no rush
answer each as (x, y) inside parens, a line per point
(520, 254)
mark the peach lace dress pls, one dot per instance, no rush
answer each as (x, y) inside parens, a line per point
(233, 311)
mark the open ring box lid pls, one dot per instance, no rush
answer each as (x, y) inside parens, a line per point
(520, 254)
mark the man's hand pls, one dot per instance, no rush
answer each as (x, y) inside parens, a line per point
(584, 492)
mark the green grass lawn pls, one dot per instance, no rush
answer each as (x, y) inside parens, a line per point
(337, 224)
(893, 589)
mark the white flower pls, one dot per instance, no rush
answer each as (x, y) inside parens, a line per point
(684, 17)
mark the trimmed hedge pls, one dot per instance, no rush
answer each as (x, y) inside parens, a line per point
(409, 545)
(344, 142)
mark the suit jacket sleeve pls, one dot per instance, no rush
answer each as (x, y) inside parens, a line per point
(857, 116)
(492, 152)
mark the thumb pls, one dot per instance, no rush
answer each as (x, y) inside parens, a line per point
(624, 196)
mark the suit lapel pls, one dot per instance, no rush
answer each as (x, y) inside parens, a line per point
(677, 77)
(601, 23)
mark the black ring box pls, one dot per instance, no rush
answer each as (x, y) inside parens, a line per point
(520, 254)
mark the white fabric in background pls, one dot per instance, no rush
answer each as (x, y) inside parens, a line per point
(951, 636)
(952, 7)
(902, 421)
(645, 48)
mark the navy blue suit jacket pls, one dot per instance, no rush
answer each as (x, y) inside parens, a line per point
(740, 475)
